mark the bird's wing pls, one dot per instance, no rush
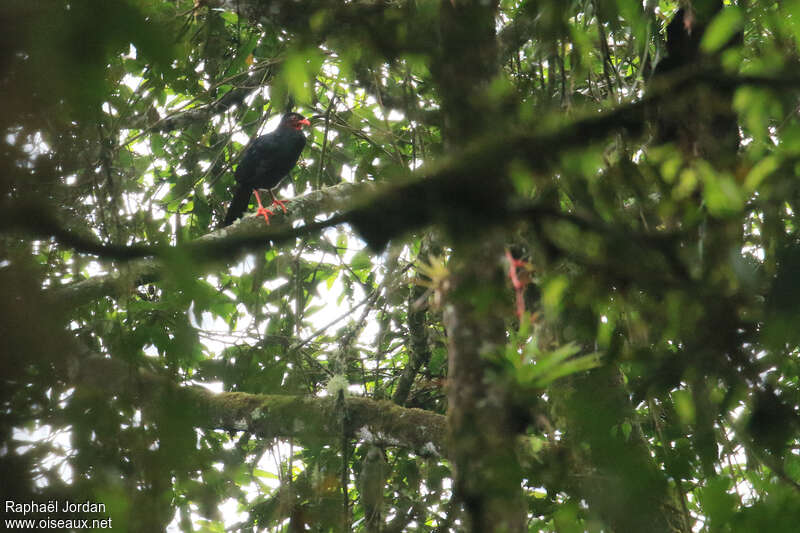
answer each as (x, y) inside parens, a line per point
(269, 158)
(258, 161)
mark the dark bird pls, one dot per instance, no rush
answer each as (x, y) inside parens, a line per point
(265, 163)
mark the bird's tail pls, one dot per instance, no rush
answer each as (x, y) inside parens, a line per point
(238, 205)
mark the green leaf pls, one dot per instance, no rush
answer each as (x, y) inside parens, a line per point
(722, 194)
(792, 19)
(361, 261)
(725, 25)
(230, 17)
(626, 428)
(258, 472)
(684, 406)
(760, 171)
(553, 293)
(331, 279)
(157, 144)
(716, 502)
(300, 69)
(341, 243)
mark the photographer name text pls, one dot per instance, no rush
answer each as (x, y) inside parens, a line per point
(53, 506)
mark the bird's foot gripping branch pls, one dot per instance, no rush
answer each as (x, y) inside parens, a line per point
(262, 211)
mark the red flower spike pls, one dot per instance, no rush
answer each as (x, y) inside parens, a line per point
(513, 264)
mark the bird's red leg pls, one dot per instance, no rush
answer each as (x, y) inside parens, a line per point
(263, 211)
(275, 201)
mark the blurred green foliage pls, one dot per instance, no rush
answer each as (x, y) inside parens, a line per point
(655, 369)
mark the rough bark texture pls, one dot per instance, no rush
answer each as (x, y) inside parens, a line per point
(148, 270)
(482, 432)
(266, 416)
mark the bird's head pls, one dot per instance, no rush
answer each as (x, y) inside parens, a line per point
(295, 121)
